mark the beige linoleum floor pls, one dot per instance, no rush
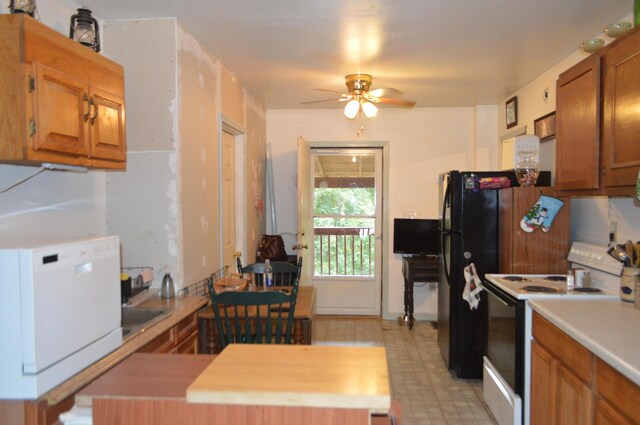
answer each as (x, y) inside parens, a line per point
(419, 378)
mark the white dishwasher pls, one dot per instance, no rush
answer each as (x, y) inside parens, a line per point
(59, 310)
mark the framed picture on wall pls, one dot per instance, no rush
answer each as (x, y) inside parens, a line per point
(545, 127)
(511, 110)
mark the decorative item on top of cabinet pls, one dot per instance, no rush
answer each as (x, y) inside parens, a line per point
(59, 101)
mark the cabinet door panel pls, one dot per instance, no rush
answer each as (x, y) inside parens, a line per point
(107, 126)
(543, 384)
(578, 126)
(60, 105)
(621, 117)
(574, 402)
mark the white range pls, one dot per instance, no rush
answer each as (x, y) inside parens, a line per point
(507, 364)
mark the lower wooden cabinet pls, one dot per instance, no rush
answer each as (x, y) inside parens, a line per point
(606, 414)
(558, 396)
(572, 386)
(180, 338)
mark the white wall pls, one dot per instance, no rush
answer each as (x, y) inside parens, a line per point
(423, 142)
(52, 204)
(590, 216)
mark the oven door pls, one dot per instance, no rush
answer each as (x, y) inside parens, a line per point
(503, 364)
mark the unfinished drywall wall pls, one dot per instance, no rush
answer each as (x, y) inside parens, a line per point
(166, 206)
(143, 204)
(198, 76)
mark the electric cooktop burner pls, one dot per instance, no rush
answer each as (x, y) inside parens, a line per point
(516, 278)
(556, 278)
(536, 288)
(587, 290)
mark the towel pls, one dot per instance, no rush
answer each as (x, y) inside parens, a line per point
(472, 288)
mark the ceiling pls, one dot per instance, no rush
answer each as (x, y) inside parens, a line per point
(438, 52)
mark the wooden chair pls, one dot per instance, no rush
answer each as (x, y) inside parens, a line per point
(254, 317)
(284, 274)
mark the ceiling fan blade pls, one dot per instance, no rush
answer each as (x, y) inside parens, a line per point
(332, 91)
(395, 102)
(325, 100)
(385, 91)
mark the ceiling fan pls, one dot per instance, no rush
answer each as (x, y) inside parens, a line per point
(361, 98)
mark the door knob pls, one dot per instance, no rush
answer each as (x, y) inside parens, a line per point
(299, 246)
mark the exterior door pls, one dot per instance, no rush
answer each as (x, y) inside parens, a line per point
(344, 217)
(305, 224)
(228, 200)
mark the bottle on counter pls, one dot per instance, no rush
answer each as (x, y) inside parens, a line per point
(268, 275)
(167, 291)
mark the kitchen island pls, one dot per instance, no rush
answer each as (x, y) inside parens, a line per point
(585, 363)
(341, 385)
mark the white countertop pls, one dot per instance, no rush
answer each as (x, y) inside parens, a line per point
(609, 329)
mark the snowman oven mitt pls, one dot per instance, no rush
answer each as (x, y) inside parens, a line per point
(541, 215)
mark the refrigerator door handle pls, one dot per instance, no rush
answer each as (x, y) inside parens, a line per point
(444, 232)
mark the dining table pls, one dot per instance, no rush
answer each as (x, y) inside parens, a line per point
(303, 320)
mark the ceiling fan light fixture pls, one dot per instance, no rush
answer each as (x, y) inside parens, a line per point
(351, 109)
(370, 110)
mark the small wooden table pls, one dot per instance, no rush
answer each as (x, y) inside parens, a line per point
(302, 325)
(416, 269)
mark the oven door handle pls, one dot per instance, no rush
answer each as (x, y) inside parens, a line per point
(504, 299)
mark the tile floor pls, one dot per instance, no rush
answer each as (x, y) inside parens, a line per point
(419, 378)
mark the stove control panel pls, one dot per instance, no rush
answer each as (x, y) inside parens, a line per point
(595, 257)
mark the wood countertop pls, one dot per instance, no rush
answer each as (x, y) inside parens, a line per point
(181, 309)
(147, 375)
(296, 375)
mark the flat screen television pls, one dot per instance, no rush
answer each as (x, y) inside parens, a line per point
(416, 236)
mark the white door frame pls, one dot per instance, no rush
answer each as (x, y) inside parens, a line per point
(227, 125)
(384, 145)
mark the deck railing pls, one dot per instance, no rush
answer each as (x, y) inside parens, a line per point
(344, 251)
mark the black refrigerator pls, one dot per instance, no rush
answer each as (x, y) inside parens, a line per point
(468, 225)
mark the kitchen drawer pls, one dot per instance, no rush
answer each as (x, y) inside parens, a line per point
(189, 345)
(564, 348)
(186, 327)
(163, 343)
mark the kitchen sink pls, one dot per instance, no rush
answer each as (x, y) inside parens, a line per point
(135, 320)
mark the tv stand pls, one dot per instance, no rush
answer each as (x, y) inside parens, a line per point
(419, 268)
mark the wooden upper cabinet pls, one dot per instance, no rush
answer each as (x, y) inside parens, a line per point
(621, 113)
(598, 121)
(60, 102)
(578, 126)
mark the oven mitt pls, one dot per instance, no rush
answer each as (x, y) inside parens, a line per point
(472, 288)
(541, 215)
